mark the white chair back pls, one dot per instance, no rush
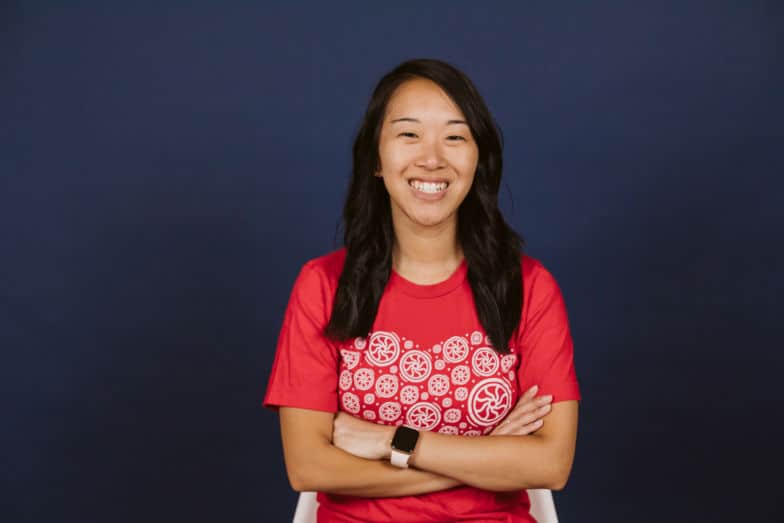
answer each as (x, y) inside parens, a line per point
(542, 507)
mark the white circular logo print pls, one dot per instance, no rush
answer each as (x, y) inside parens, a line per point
(389, 411)
(350, 402)
(461, 374)
(438, 385)
(452, 415)
(409, 394)
(484, 361)
(423, 416)
(360, 343)
(345, 380)
(455, 349)
(386, 386)
(363, 379)
(507, 362)
(383, 348)
(415, 366)
(461, 393)
(350, 358)
(489, 401)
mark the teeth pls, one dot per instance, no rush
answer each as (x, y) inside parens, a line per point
(428, 187)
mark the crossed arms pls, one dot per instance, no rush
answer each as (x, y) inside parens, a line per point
(345, 455)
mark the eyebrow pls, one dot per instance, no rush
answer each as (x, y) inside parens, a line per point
(407, 119)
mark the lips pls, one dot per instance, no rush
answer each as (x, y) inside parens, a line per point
(428, 190)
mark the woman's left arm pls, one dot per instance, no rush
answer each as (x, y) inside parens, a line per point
(498, 463)
(540, 460)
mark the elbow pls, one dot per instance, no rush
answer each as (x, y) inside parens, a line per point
(560, 484)
(560, 477)
(303, 482)
(297, 482)
(553, 479)
(302, 477)
(306, 473)
(551, 476)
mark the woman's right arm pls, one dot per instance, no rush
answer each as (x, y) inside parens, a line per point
(315, 461)
(314, 464)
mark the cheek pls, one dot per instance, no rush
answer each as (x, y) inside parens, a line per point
(466, 166)
(393, 158)
(465, 160)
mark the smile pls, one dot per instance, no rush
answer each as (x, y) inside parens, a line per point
(428, 187)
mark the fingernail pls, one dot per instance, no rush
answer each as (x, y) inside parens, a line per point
(549, 397)
(534, 389)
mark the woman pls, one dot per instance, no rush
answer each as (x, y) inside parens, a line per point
(407, 364)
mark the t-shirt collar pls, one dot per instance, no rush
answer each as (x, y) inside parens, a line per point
(433, 290)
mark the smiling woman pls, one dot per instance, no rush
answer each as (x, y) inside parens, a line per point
(427, 154)
(409, 361)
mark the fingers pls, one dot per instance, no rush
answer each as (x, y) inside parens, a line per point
(512, 429)
(533, 427)
(517, 429)
(528, 395)
(529, 416)
(530, 404)
(526, 417)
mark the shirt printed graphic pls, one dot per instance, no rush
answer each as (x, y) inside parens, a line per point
(457, 386)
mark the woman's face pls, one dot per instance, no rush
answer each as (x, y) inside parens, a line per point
(428, 155)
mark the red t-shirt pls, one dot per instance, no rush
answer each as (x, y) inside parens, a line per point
(426, 363)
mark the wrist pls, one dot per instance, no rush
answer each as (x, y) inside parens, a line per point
(387, 433)
(403, 446)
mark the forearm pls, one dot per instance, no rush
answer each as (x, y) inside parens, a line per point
(497, 463)
(337, 472)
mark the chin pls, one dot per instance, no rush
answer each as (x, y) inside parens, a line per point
(430, 221)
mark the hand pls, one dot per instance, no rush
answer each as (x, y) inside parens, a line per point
(361, 438)
(526, 416)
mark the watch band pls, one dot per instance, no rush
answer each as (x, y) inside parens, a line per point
(399, 459)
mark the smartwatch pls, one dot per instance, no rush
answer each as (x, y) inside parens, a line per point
(403, 443)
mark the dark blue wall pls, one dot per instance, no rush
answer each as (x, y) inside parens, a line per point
(165, 170)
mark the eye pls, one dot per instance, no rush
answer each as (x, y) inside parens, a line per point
(408, 134)
(457, 136)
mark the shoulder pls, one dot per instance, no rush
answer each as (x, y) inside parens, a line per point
(326, 267)
(318, 278)
(534, 271)
(539, 285)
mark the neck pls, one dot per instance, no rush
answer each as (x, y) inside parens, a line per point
(426, 253)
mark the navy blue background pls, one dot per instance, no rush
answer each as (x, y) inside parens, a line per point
(165, 170)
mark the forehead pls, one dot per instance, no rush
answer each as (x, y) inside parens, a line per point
(420, 98)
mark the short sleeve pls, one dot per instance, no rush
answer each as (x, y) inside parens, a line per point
(545, 342)
(304, 371)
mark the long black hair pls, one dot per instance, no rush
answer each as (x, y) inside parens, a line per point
(492, 249)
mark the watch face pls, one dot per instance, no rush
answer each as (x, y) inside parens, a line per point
(405, 439)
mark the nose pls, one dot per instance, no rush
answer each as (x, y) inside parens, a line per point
(431, 157)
